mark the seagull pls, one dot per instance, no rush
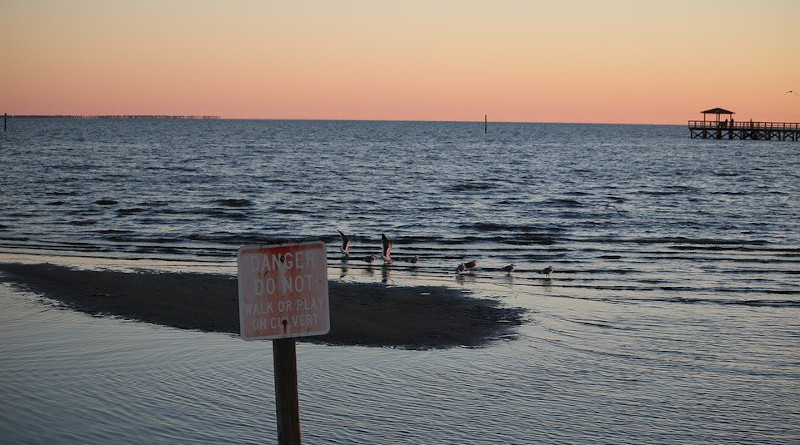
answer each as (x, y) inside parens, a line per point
(471, 265)
(345, 243)
(611, 206)
(510, 268)
(791, 91)
(386, 252)
(547, 271)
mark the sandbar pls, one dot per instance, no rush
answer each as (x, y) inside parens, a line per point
(361, 314)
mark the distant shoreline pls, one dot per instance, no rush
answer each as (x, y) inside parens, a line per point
(109, 116)
(377, 315)
(318, 119)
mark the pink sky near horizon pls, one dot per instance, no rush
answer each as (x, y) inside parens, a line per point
(617, 61)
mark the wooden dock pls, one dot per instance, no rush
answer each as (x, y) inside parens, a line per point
(769, 131)
(730, 129)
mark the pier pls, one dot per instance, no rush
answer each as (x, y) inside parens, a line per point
(731, 129)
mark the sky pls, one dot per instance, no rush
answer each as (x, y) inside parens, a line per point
(612, 61)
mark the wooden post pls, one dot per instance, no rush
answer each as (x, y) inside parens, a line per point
(485, 123)
(287, 407)
(5, 121)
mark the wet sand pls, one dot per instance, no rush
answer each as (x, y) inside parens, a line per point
(420, 317)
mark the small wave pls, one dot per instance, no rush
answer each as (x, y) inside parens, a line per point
(497, 227)
(224, 214)
(56, 203)
(530, 238)
(730, 302)
(705, 247)
(680, 240)
(676, 189)
(159, 249)
(154, 204)
(106, 202)
(228, 238)
(563, 202)
(512, 202)
(577, 193)
(662, 192)
(15, 238)
(113, 231)
(133, 239)
(292, 211)
(130, 211)
(682, 300)
(63, 193)
(107, 233)
(767, 303)
(469, 186)
(473, 239)
(596, 324)
(232, 202)
(487, 227)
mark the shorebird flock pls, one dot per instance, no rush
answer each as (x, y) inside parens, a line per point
(386, 255)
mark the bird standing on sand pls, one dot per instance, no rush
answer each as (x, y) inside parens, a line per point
(471, 265)
(547, 271)
(510, 268)
(345, 243)
(369, 258)
(386, 252)
(461, 268)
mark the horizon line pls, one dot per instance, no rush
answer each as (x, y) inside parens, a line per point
(220, 117)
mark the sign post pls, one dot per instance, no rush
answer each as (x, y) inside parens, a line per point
(287, 405)
(283, 294)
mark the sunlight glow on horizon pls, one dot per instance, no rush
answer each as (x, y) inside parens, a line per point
(620, 61)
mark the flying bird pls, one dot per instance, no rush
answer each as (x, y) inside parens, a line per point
(345, 243)
(791, 91)
(386, 252)
(547, 271)
(611, 206)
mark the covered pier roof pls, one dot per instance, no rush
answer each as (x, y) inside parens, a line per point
(717, 112)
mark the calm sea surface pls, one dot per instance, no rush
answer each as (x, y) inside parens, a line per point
(673, 314)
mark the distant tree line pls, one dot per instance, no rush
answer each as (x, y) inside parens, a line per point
(111, 116)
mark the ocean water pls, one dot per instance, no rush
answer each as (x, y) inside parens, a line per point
(673, 314)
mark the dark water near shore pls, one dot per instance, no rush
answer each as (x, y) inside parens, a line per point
(672, 316)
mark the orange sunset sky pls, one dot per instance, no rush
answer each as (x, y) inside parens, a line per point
(614, 61)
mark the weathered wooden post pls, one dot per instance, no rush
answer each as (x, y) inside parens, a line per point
(5, 121)
(287, 406)
(283, 294)
(485, 123)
